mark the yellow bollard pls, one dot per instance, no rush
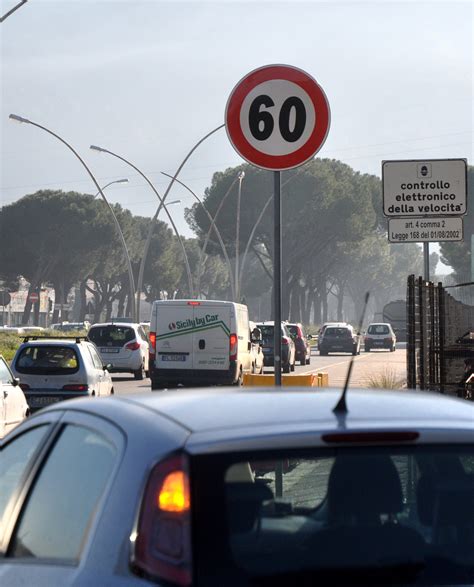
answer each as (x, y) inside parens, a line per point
(308, 380)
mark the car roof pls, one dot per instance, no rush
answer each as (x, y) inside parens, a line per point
(268, 418)
(55, 341)
(379, 324)
(112, 323)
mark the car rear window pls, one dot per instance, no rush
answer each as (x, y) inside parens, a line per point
(378, 329)
(294, 330)
(111, 336)
(337, 332)
(47, 360)
(267, 332)
(404, 513)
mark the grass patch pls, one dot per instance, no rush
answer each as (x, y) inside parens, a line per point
(386, 379)
(10, 341)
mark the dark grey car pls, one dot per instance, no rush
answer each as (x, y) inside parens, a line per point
(162, 489)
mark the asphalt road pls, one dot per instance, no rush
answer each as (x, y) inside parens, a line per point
(376, 365)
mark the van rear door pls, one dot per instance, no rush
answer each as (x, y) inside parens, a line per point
(174, 336)
(211, 336)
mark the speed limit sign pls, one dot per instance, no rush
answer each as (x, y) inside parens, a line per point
(277, 117)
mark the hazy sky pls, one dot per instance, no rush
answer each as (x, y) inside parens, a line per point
(149, 79)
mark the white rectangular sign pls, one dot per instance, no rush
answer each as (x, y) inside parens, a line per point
(435, 187)
(418, 230)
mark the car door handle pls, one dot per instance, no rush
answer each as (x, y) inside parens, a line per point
(5, 393)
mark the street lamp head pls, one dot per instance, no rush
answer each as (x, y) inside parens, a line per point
(95, 148)
(173, 202)
(18, 118)
(124, 180)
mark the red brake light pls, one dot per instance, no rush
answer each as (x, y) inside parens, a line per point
(133, 346)
(152, 346)
(24, 386)
(233, 346)
(163, 537)
(285, 341)
(194, 303)
(76, 387)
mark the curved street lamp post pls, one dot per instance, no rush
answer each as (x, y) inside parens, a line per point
(162, 200)
(124, 180)
(218, 234)
(237, 239)
(100, 191)
(150, 232)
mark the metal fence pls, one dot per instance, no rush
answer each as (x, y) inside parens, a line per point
(440, 336)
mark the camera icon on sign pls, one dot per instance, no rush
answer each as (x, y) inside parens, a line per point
(423, 170)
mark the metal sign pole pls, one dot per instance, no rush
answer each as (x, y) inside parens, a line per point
(426, 260)
(277, 275)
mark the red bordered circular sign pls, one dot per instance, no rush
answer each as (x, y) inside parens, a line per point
(277, 117)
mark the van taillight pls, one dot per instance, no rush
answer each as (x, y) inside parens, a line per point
(285, 341)
(163, 537)
(24, 386)
(233, 346)
(152, 347)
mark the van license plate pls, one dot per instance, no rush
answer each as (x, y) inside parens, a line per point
(109, 350)
(173, 357)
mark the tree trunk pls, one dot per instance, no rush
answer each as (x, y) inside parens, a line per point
(316, 299)
(324, 303)
(28, 305)
(340, 300)
(108, 310)
(83, 301)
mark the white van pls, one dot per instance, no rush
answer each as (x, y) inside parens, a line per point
(198, 342)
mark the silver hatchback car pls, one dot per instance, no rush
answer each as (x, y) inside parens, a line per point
(226, 488)
(123, 345)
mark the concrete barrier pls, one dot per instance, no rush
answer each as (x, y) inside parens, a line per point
(309, 380)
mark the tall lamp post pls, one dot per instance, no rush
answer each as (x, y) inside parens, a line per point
(162, 200)
(99, 189)
(237, 239)
(217, 231)
(213, 223)
(153, 222)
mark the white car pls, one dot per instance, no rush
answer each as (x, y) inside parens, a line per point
(380, 335)
(122, 345)
(53, 369)
(256, 350)
(13, 405)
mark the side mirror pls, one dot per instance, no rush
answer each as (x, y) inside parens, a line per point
(16, 381)
(108, 367)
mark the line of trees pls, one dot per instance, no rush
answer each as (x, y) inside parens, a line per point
(334, 238)
(334, 244)
(65, 239)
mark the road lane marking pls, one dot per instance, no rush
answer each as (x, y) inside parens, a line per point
(323, 367)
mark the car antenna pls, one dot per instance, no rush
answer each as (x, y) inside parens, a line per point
(341, 406)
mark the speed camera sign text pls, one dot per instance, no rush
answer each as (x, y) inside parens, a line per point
(424, 188)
